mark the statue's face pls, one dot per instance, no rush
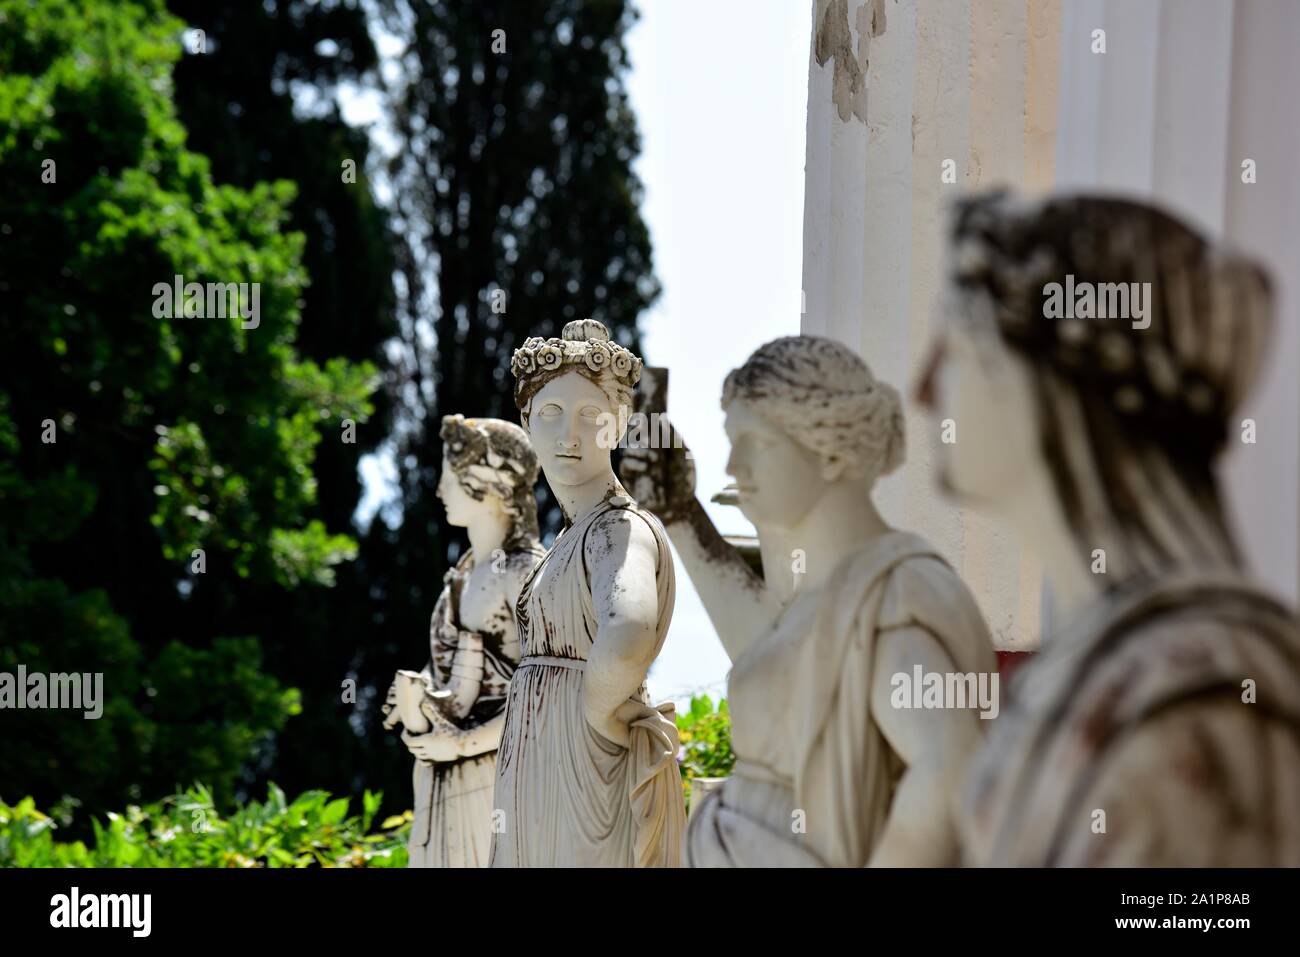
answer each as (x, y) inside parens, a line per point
(778, 479)
(565, 423)
(462, 508)
(983, 398)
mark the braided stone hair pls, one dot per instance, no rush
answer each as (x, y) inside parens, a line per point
(823, 396)
(1131, 418)
(492, 455)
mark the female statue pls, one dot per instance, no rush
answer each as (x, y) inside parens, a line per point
(831, 770)
(1161, 725)
(587, 772)
(453, 710)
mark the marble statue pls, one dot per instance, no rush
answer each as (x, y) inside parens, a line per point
(587, 772)
(452, 711)
(830, 769)
(1159, 725)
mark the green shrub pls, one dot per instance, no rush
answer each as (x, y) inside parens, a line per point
(705, 731)
(185, 830)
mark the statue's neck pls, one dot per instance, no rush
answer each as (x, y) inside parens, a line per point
(803, 556)
(1036, 515)
(578, 500)
(487, 534)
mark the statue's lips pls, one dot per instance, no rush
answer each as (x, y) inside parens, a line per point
(561, 455)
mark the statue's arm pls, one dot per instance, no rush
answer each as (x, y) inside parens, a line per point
(482, 738)
(466, 676)
(662, 478)
(452, 744)
(456, 697)
(935, 744)
(467, 668)
(622, 556)
(739, 605)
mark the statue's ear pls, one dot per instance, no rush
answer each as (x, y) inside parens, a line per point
(834, 471)
(841, 469)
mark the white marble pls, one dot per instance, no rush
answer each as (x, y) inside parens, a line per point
(587, 772)
(830, 771)
(452, 711)
(1160, 725)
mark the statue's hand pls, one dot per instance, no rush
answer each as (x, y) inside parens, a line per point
(660, 479)
(391, 718)
(432, 747)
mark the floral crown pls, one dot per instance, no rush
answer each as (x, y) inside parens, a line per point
(583, 342)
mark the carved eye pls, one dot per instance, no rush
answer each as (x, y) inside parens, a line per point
(550, 410)
(590, 412)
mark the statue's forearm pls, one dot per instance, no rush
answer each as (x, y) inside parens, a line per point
(466, 676)
(482, 738)
(919, 831)
(616, 666)
(738, 604)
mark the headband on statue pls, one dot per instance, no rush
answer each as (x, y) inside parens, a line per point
(584, 345)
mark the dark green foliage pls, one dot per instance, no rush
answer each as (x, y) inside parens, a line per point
(236, 99)
(171, 435)
(513, 172)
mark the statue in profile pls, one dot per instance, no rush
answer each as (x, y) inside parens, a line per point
(1094, 359)
(453, 710)
(833, 766)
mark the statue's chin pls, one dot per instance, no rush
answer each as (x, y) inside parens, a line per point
(763, 521)
(567, 474)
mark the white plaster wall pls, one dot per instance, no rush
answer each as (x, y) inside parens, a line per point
(1012, 91)
(974, 82)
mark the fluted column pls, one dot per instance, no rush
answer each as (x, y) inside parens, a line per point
(896, 91)
(1186, 92)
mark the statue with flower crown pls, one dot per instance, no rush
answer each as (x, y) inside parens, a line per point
(587, 772)
(453, 710)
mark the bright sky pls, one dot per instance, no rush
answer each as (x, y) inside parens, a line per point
(720, 91)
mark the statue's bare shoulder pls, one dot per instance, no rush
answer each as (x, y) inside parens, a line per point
(620, 534)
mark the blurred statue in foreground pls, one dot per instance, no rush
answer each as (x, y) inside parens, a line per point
(587, 772)
(1094, 357)
(837, 762)
(453, 710)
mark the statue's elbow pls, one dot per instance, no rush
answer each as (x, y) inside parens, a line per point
(629, 644)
